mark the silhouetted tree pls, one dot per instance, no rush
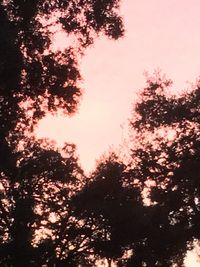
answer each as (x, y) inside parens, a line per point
(36, 183)
(113, 200)
(37, 223)
(167, 162)
(30, 70)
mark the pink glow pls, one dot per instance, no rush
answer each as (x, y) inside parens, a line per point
(159, 34)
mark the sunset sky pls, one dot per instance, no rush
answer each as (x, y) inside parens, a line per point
(159, 34)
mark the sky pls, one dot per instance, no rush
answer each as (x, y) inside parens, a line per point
(159, 35)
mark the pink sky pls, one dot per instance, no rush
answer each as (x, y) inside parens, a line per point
(159, 34)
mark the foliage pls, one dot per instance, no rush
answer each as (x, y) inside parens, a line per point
(116, 207)
(167, 155)
(38, 226)
(36, 219)
(30, 70)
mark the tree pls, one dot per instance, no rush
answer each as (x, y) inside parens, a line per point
(36, 183)
(36, 219)
(113, 200)
(30, 70)
(166, 128)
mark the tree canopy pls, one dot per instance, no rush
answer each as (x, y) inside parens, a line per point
(166, 127)
(30, 69)
(37, 182)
